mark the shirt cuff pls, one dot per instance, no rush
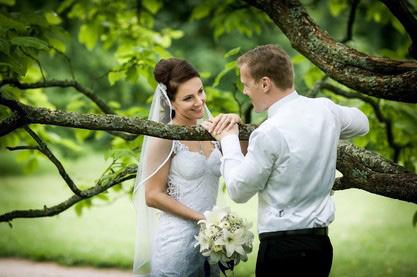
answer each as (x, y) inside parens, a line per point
(231, 145)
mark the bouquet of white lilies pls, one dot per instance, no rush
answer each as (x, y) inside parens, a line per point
(224, 238)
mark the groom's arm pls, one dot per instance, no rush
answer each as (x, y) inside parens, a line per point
(247, 175)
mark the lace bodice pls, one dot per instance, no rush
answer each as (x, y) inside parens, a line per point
(193, 177)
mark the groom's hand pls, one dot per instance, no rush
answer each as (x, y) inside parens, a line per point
(220, 133)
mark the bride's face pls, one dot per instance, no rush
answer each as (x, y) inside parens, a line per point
(189, 100)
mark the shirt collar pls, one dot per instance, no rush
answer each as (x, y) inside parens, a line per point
(277, 105)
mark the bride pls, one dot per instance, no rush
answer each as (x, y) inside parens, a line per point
(178, 180)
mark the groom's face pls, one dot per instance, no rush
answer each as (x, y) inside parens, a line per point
(252, 89)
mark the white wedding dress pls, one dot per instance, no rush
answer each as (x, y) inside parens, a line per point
(193, 180)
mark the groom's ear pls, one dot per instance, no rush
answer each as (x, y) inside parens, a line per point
(266, 84)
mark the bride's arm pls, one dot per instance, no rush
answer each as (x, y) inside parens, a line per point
(156, 196)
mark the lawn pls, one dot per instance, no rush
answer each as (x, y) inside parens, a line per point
(372, 235)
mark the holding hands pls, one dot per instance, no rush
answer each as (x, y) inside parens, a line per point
(222, 125)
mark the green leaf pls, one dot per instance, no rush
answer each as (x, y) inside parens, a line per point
(4, 46)
(30, 42)
(17, 64)
(415, 219)
(229, 66)
(9, 23)
(58, 44)
(8, 2)
(152, 5)
(81, 134)
(200, 12)
(53, 18)
(64, 5)
(232, 52)
(115, 76)
(298, 59)
(337, 6)
(78, 208)
(88, 36)
(103, 196)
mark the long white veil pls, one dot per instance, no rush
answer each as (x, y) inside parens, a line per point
(149, 164)
(155, 153)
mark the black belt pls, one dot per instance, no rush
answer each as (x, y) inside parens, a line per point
(323, 231)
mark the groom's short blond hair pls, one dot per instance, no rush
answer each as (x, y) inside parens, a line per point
(269, 61)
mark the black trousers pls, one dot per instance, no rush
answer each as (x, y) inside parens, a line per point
(295, 255)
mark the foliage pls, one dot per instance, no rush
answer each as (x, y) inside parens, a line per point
(111, 47)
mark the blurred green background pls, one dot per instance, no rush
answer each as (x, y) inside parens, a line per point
(111, 48)
(371, 235)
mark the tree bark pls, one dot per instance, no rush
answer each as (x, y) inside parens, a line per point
(374, 76)
(361, 169)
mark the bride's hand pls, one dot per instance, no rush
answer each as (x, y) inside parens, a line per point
(223, 121)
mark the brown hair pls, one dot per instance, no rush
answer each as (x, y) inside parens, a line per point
(269, 61)
(172, 73)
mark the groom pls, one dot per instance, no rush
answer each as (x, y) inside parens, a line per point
(290, 163)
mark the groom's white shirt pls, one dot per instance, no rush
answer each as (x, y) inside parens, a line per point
(291, 161)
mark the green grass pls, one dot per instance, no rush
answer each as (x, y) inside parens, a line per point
(372, 235)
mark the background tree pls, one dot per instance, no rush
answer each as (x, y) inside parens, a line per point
(88, 65)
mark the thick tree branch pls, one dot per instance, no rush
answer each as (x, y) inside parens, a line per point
(375, 76)
(11, 123)
(68, 83)
(363, 169)
(127, 174)
(112, 122)
(400, 9)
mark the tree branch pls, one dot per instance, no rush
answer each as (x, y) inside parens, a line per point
(351, 20)
(63, 84)
(127, 174)
(11, 123)
(110, 122)
(361, 169)
(43, 148)
(400, 9)
(69, 83)
(374, 76)
(374, 173)
(371, 172)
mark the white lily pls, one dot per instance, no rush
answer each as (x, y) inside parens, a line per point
(233, 242)
(215, 216)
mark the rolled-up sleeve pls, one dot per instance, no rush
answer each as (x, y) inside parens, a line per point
(246, 175)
